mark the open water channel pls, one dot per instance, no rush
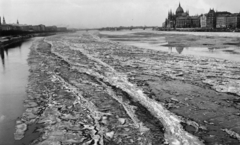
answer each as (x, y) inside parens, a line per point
(13, 80)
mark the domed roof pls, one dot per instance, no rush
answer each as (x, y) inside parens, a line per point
(179, 9)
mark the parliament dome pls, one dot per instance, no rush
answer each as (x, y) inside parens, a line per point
(179, 10)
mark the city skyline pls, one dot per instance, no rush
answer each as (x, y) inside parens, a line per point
(107, 13)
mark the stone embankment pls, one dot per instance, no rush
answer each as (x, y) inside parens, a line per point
(6, 41)
(9, 40)
(87, 90)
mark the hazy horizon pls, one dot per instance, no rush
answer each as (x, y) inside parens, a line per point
(104, 13)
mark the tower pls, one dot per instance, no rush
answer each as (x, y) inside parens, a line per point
(171, 15)
(211, 19)
(4, 22)
(17, 22)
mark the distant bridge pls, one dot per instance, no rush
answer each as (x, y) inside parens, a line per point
(127, 28)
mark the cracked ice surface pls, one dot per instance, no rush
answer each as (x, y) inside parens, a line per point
(174, 133)
(81, 91)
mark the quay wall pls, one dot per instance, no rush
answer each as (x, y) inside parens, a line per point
(198, 30)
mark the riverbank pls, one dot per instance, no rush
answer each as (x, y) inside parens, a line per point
(199, 29)
(88, 90)
(11, 40)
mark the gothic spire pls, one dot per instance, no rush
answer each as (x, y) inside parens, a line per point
(4, 22)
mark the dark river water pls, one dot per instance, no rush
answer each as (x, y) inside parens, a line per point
(13, 81)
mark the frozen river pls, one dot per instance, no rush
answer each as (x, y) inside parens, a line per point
(157, 42)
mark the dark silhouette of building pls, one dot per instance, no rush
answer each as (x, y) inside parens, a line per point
(179, 11)
(171, 20)
(211, 19)
(181, 19)
(4, 22)
(221, 19)
(183, 22)
(19, 29)
(233, 20)
(195, 21)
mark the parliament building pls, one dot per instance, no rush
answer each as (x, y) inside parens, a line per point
(212, 19)
(181, 19)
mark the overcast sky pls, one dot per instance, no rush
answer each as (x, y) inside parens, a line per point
(104, 13)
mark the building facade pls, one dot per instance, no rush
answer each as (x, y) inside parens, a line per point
(195, 21)
(28, 28)
(233, 21)
(6, 27)
(211, 19)
(183, 22)
(181, 19)
(16, 27)
(25, 27)
(221, 21)
(203, 21)
(42, 27)
(170, 22)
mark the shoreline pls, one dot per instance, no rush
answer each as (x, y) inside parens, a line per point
(115, 88)
(13, 40)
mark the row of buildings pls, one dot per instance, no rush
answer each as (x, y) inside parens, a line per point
(213, 19)
(28, 28)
